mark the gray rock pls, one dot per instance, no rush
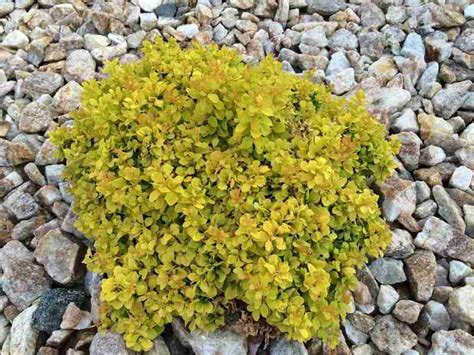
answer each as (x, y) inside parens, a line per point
(47, 154)
(469, 12)
(219, 33)
(461, 178)
(441, 238)
(79, 66)
(159, 348)
(242, 4)
(399, 197)
(54, 173)
(285, 347)
(435, 316)
(407, 311)
(324, 7)
(92, 41)
(469, 219)
(387, 298)
(401, 245)
(464, 40)
(371, 44)
(189, 30)
(390, 99)
(148, 21)
(315, 37)
(21, 204)
(421, 272)
(6, 8)
(466, 156)
(341, 82)
(16, 40)
(109, 53)
(39, 83)
(405, 122)
(67, 98)
(448, 209)
(344, 39)
(60, 256)
(47, 195)
(106, 343)
(432, 155)
(413, 46)
(425, 209)
(396, 14)
(423, 191)
(364, 349)
(360, 321)
(203, 343)
(23, 336)
(23, 281)
(58, 338)
(447, 101)
(451, 342)
(9, 182)
(458, 271)
(392, 336)
(388, 271)
(338, 63)
(149, 5)
(25, 229)
(428, 79)
(36, 117)
(460, 303)
(468, 133)
(354, 335)
(6, 87)
(371, 16)
(410, 149)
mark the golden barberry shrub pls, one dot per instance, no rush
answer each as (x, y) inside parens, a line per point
(203, 180)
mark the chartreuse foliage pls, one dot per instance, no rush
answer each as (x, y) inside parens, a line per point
(202, 180)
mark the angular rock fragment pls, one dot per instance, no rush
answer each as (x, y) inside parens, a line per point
(60, 256)
(421, 271)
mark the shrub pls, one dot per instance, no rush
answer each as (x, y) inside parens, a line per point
(202, 180)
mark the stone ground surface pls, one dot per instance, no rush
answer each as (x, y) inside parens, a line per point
(414, 59)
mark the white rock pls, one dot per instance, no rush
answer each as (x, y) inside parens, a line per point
(149, 5)
(387, 298)
(338, 63)
(432, 155)
(205, 343)
(391, 99)
(92, 41)
(469, 12)
(461, 178)
(458, 271)
(461, 301)
(16, 39)
(405, 122)
(148, 21)
(23, 336)
(316, 37)
(189, 30)
(342, 81)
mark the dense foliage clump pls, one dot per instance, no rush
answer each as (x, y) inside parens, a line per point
(202, 180)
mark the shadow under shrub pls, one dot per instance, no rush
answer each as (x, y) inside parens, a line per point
(202, 180)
